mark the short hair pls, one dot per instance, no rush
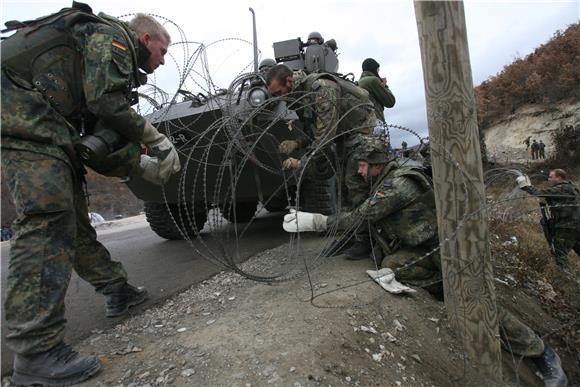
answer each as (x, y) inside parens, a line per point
(278, 72)
(142, 23)
(560, 173)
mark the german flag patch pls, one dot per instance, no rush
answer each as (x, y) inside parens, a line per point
(119, 45)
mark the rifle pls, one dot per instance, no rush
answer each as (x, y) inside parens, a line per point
(547, 223)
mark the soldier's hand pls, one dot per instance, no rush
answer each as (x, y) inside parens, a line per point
(291, 163)
(300, 221)
(523, 181)
(288, 146)
(163, 149)
(149, 169)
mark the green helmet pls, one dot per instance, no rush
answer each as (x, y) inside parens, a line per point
(374, 151)
(315, 35)
(265, 64)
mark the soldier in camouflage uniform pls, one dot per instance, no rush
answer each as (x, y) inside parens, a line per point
(338, 118)
(563, 204)
(401, 213)
(63, 76)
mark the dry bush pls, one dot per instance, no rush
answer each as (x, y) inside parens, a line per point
(550, 74)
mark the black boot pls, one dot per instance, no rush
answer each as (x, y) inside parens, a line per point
(550, 367)
(59, 366)
(122, 296)
(358, 251)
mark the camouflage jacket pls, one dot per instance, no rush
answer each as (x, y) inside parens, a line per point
(401, 208)
(69, 88)
(329, 109)
(563, 200)
(380, 95)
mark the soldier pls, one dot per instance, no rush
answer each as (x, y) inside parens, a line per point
(65, 75)
(334, 112)
(379, 93)
(562, 214)
(535, 149)
(401, 213)
(265, 65)
(542, 148)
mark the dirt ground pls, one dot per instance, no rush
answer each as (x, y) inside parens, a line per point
(233, 331)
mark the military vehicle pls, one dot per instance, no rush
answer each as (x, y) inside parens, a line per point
(228, 146)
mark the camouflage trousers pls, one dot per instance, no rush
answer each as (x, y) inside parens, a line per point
(516, 337)
(53, 236)
(564, 241)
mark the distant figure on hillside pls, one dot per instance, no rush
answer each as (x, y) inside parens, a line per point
(542, 149)
(404, 145)
(535, 150)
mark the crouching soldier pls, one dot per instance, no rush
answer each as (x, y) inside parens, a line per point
(401, 213)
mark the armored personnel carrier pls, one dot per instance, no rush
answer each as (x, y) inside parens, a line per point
(228, 146)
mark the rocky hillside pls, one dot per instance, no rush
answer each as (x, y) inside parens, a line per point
(531, 97)
(505, 138)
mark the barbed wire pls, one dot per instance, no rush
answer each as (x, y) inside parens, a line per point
(225, 144)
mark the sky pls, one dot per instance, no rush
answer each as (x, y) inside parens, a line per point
(498, 32)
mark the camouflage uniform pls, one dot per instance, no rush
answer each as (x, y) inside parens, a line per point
(563, 201)
(332, 116)
(45, 105)
(401, 214)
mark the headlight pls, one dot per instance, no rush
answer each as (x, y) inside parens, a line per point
(257, 96)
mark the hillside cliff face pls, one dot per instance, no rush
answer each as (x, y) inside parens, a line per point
(505, 138)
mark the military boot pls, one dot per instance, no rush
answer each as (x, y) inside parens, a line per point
(122, 296)
(59, 366)
(550, 367)
(358, 251)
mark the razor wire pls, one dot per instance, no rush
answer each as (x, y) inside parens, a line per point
(226, 141)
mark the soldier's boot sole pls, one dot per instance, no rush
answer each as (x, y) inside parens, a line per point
(139, 299)
(22, 379)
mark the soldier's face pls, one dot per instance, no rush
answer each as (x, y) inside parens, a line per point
(553, 179)
(363, 169)
(158, 49)
(278, 88)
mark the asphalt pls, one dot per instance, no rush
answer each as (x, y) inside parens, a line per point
(163, 267)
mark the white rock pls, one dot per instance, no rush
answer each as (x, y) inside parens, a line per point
(187, 372)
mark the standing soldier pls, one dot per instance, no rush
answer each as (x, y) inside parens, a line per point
(401, 213)
(379, 93)
(535, 150)
(338, 114)
(542, 149)
(67, 75)
(561, 214)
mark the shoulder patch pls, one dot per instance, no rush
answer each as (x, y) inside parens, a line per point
(119, 45)
(388, 183)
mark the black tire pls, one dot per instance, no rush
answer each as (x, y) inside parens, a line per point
(244, 212)
(163, 224)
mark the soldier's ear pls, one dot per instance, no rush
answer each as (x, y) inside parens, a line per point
(145, 38)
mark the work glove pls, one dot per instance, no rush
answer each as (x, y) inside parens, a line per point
(149, 169)
(163, 149)
(291, 163)
(386, 279)
(523, 181)
(300, 221)
(288, 146)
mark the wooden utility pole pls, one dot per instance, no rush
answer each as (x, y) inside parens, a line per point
(458, 179)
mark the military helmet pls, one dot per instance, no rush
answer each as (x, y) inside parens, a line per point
(266, 64)
(375, 151)
(315, 35)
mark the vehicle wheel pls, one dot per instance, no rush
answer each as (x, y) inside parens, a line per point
(244, 212)
(163, 224)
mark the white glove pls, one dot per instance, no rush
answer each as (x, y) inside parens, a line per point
(149, 170)
(386, 279)
(291, 163)
(288, 146)
(300, 221)
(523, 181)
(163, 149)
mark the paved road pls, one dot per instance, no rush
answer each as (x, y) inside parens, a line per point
(165, 267)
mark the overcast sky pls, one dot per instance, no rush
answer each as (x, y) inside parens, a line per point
(498, 32)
